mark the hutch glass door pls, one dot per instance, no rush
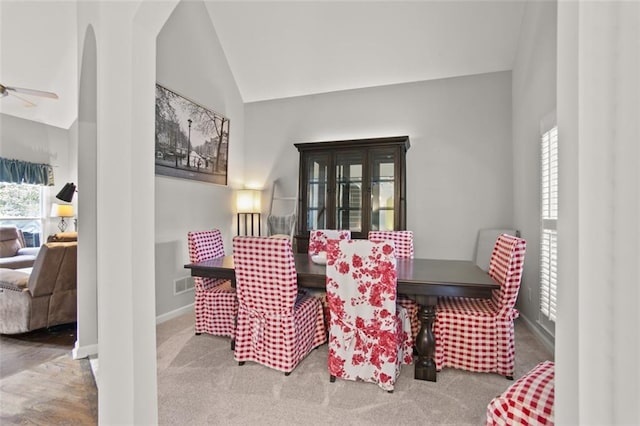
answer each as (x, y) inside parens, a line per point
(317, 185)
(350, 191)
(383, 190)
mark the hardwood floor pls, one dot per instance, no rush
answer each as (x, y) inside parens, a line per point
(41, 384)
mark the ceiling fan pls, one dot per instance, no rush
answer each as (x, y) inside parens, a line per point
(6, 90)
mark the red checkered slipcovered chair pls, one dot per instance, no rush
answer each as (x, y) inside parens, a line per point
(477, 334)
(216, 305)
(404, 249)
(276, 327)
(369, 334)
(529, 401)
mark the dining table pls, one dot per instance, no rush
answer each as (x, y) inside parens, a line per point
(424, 280)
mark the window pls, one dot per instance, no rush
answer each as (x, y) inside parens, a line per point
(21, 206)
(549, 216)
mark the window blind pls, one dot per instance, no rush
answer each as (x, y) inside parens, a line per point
(549, 216)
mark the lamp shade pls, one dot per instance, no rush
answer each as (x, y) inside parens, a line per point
(248, 201)
(62, 210)
(67, 192)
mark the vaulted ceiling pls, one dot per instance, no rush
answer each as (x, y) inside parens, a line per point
(280, 49)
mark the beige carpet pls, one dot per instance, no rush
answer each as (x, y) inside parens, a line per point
(199, 383)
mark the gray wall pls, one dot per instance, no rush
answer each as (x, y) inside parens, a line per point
(459, 166)
(534, 97)
(198, 71)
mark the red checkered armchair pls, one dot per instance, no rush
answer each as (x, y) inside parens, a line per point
(216, 305)
(277, 327)
(477, 334)
(528, 401)
(404, 249)
(369, 334)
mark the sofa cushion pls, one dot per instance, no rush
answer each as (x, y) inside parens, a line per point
(9, 248)
(13, 279)
(17, 262)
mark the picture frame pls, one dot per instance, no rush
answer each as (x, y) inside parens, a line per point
(191, 141)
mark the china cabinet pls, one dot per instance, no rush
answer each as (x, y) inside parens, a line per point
(351, 184)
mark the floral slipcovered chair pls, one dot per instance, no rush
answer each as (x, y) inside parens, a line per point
(318, 238)
(216, 305)
(369, 335)
(277, 327)
(477, 334)
(319, 241)
(404, 249)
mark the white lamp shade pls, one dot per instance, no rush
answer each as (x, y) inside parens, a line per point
(62, 210)
(248, 201)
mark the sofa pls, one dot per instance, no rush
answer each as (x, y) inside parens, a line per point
(14, 253)
(41, 296)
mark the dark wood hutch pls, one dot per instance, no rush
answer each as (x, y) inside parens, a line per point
(355, 184)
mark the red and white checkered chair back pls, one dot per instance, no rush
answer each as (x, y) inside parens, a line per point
(205, 245)
(216, 306)
(403, 241)
(505, 267)
(369, 336)
(318, 238)
(529, 401)
(275, 327)
(266, 279)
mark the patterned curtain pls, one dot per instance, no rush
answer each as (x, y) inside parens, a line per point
(16, 171)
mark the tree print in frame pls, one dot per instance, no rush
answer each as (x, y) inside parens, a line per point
(192, 142)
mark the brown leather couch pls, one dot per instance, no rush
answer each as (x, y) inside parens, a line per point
(14, 253)
(42, 296)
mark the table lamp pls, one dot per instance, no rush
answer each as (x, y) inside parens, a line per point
(62, 211)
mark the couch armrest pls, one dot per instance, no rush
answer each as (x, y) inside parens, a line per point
(12, 279)
(32, 251)
(62, 237)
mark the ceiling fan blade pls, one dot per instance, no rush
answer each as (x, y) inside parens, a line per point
(33, 92)
(27, 103)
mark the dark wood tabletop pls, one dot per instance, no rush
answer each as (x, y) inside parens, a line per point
(429, 277)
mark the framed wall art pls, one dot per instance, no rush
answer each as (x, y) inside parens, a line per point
(192, 142)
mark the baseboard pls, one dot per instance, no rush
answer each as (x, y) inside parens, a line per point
(79, 352)
(175, 313)
(544, 339)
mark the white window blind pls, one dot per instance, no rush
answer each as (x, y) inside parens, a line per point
(549, 237)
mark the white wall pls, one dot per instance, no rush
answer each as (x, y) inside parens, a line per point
(534, 97)
(598, 330)
(197, 71)
(459, 166)
(126, 73)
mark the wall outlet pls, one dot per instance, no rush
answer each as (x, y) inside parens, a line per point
(529, 293)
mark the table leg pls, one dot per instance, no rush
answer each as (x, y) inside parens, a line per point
(425, 368)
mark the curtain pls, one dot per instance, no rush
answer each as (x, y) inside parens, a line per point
(16, 171)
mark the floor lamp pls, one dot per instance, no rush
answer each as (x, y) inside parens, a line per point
(248, 207)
